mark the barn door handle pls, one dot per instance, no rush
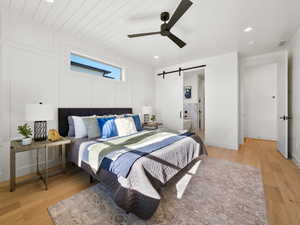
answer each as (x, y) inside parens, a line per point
(180, 114)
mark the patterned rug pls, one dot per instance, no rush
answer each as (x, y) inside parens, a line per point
(214, 192)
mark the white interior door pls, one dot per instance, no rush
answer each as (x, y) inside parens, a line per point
(282, 105)
(170, 100)
(260, 102)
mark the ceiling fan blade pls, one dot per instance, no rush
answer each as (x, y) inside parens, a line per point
(142, 34)
(181, 9)
(176, 40)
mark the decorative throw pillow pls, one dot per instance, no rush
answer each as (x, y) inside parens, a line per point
(80, 128)
(137, 121)
(92, 127)
(125, 126)
(107, 127)
(71, 132)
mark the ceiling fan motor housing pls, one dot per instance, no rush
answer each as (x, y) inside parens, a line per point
(164, 29)
(164, 16)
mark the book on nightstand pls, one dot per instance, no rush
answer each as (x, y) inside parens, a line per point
(152, 125)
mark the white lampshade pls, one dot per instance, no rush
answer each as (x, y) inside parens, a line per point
(147, 110)
(39, 112)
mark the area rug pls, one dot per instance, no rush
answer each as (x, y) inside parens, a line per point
(217, 192)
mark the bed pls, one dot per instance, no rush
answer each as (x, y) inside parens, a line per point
(133, 177)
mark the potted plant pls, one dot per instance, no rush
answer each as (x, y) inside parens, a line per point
(153, 118)
(26, 132)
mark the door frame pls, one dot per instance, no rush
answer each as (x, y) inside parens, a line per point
(183, 75)
(281, 59)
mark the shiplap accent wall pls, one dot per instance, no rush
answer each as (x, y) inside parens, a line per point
(35, 67)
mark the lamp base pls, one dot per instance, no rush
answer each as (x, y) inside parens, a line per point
(40, 130)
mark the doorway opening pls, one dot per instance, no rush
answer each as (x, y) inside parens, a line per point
(194, 102)
(264, 99)
(260, 102)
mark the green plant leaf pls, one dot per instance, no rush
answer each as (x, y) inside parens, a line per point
(25, 130)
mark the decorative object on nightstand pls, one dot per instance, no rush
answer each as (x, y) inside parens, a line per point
(153, 118)
(40, 114)
(26, 132)
(53, 135)
(151, 125)
(16, 147)
(147, 112)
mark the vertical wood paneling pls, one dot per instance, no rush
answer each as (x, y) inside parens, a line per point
(67, 13)
(31, 7)
(81, 14)
(18, 6)
(43, 10)
(58, 8)
(5, 3)
(92, 16)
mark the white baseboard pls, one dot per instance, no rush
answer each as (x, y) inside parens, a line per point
(296, 161)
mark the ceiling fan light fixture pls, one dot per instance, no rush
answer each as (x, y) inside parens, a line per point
(156, 57)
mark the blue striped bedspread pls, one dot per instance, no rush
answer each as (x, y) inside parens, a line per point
(118, 155)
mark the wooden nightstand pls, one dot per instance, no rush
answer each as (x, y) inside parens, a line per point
(16, 147)
(151, 126)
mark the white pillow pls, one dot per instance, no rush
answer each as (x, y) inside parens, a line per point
(79, 126)
(125, 126)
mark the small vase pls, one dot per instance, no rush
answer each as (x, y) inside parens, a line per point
(26, 141)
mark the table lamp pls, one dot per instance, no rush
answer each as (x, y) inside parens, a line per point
(40, 114)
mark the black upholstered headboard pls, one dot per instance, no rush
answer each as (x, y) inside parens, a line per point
(63, 114)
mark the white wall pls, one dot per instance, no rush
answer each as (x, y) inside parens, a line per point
(260, 108)
(294, 81)
(35, 67)
(221, 103)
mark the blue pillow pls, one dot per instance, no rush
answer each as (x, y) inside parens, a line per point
(107, 127)
(137, 121)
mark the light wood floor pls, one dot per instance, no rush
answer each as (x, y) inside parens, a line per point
(281, 178)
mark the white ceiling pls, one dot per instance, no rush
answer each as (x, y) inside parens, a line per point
(209, 28)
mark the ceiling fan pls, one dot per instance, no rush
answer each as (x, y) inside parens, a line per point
(165, 28)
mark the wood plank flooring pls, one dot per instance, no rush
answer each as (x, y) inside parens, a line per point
(281, 178)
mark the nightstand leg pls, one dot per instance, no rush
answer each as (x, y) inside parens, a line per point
(63, 157)
(12, 170)
(46, 169)
(37, 162)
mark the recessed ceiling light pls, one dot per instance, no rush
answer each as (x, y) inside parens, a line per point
(251, 42)
(156, 57)
(248, 29)
(49, 1)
